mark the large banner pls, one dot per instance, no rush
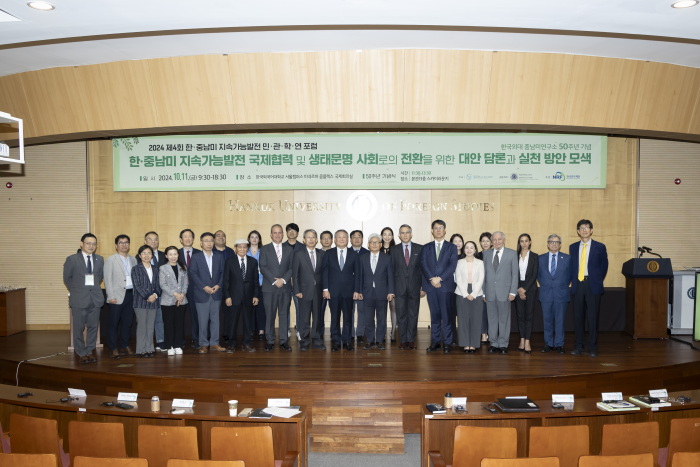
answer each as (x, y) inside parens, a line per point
(359, 161)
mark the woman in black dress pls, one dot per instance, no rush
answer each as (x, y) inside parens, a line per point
(388, 242)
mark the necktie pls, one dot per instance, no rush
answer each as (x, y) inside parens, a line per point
(153, 261)
(437, 257)
(313, 260)
(582, 264)
(553, 268)
(188, 259)
(406, 255)
(89, 266)
(496, 262)
(243, 268)
(279, 254)
(374, 263)
(342, 261)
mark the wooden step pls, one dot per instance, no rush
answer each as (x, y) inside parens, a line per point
(357, 439)
(358, 412)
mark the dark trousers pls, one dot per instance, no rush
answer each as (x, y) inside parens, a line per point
(453, 320)
(193, 315)
(173, 325)
(375, 307)
(228, 316)
(525, 311)
(322, 316)
(407, 314)
(308, 326)
(123, 314)
(586, 303)
(341, 308)
(440, 305)
(553, 314)
(258, 321)
(239, 312)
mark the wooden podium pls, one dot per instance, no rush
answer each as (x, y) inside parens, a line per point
(646, 297)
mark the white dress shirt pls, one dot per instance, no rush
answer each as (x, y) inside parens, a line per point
(588, 254)
(127, 271)
(209, 258)
(522, 264)
(406, 246)
(149, 271)
(92, 260)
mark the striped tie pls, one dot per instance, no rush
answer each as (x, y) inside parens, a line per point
(553, 268)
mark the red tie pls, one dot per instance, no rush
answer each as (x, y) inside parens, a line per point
(188, 259)
(406, 255)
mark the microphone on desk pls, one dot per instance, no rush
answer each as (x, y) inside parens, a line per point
(646, 249)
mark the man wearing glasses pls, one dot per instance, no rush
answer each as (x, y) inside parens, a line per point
(589, 266)
(554, 275)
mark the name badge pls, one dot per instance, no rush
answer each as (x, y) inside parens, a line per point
(660, 393)
(562, 398)
(186, 403)
(128, 396)
(89, 279)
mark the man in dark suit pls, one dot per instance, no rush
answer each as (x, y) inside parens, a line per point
(554, 276)
(206, 274)
(276, 268)
(307, 274)
(227, 252)
(82, 274)
(241, 293)
(377, 290)
(186, 253)
(438, 262)
(358, 330)
(151, 239)
(407, 284)
(341, 283)
(589, 265)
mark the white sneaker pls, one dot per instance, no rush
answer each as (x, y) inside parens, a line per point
(289, 333)
(171, 351)
(158, 349)
(298, 336)
(178, 351)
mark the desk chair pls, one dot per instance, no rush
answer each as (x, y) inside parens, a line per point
(252, 445)
(81, 461)
(633, 460)
(31, 435)
(28, 460)
(90, 439)
(567, 443)
(472, 444)
(158, 444)
(631, 438)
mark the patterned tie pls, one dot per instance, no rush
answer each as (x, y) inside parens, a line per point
(406, 255)
(496, 261)
(437, 256)
(89, 265)
(582, 264)
(243, 268)
(188, 259)
(313, 260)
(342, 261)
(279, 254)
(553, 268)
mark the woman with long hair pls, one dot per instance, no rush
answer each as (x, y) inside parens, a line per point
(388, 242)
(485, 242)
(528, 265)
(458, 241)
(469, 278)
(146, 301)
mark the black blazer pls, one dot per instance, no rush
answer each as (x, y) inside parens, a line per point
(407, 278)
(533, 266)
(343, 283)
(236, 287)
(380, 283)
(307, 281)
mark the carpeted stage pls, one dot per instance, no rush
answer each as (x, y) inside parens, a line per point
(624, 364)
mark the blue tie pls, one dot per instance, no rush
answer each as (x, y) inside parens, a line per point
(553, 268)
(342, 261)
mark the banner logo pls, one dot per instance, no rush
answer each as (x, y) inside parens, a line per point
(559, 176)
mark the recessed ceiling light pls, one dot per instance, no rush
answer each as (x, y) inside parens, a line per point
(44, 6)
(684, 3)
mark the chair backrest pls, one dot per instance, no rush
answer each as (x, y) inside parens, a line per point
(522, 462)
(31, 435)
(567, 443)
(5, 444)
(474, 443)
(633, 460)
(90, 439)
(631, 438)
(28, 460)
(684, 437)
(686, 459)
(157, 444)
(186, 463)
(252, 445)
(81, 461)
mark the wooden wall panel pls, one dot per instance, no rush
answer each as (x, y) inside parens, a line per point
(360, 86)
(274, 88)
(528, 88)
(14, 101)
(118, 95)
(447, 86)
(192, 90)
(200, 211)
(470, 223)
(238, 224)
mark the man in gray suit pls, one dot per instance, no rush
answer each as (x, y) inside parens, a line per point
(276, 268)
(500, 287)
(307, 272)
(120, 296)
(82, 274)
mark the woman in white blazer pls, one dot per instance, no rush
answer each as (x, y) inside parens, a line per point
(469, 279)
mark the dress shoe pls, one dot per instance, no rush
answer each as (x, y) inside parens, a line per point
(218, 348)
(528, 351)
(261, 337)
(145, 355)
(380, 346)
(195, 344)
(560, 350)
(318, 346)
(547, 349)
(303, 348)
(91, 357)
(230, 349)
(84, 359)
(446, 349)
(348, 346)
(403, 346)
(286, 347)
(433, 347)
(393, 340)
(593, 353)
(269, 347)
(204, 349)
(126, 351)
(493, 349)
(579, 352)
(367, 346)
(248, 348)
(504, 351)
(412, 346)
(521, 350)
(335, 347)
(472, 350)
(360, 339)
(115, 354)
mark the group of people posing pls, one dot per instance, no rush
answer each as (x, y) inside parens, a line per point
(468, 291)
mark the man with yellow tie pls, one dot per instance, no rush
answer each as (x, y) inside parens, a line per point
(589, 267)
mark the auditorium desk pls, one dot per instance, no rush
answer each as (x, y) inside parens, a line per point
(437, 432)
(288, 434)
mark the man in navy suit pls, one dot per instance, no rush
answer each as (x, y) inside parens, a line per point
(438, 263)
(554, 275)
(356, 239)
(207, 279)
(589, 265)
(377, 289)
(186, 253)
(241, 294)
(341, 285)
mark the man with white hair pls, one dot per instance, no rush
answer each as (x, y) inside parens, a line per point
(376, 290)
(554, 276)
(500, 287)
(307, 280)
(241, 293)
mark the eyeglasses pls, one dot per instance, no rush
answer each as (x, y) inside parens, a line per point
(553, 241)
(90, 243)
(123, 243)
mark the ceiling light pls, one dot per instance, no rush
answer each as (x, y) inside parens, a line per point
(46, 6)
(684, 3)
